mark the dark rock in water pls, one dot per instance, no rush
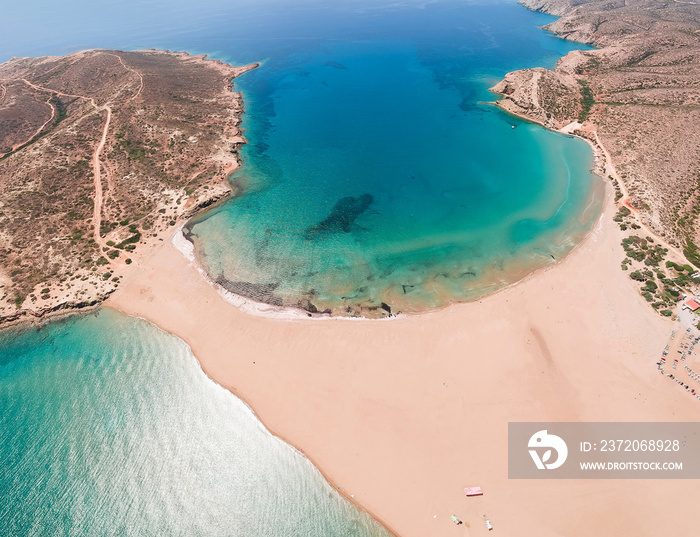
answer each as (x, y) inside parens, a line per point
(386, 307)
(257, 291)
(308, 306)
(407, 288)
(342, 217)
(336, 65)
(327, 311)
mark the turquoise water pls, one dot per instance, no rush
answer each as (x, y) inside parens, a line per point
(109, 427)
(375, 175)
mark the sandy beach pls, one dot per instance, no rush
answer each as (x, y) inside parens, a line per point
(401, 415)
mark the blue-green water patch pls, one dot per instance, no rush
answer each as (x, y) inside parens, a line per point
(376, 173)
(109, 427)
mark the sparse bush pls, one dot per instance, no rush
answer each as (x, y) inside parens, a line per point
(638, 276)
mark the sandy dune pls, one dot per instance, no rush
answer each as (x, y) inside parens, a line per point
(403, 414)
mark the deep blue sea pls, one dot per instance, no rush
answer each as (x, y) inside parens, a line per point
(375, 174)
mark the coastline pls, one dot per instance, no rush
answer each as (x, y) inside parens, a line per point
(382, 403)
(356, 412)
(79, 297)
(260, 309)
(334, 471)
(603, 168)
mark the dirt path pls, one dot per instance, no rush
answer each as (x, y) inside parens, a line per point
(38, 131)
(60, 93)
(675, 254)
(96, 165)
(132, 70)
(97, 209)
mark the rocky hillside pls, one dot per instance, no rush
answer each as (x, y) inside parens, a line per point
(100, 152)
(639, 91)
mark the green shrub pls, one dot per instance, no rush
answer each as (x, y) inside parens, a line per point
(587, 101)
(650, 286)
(638, 276)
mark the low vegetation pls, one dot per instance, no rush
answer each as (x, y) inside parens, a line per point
(171, 133)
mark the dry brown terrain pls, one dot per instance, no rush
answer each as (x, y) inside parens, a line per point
(100, 152)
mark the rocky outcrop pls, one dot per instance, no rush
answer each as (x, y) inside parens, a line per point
(63, 308)
(547, 97)
(552, 7)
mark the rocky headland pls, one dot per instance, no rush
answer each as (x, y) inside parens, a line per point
(101, 152)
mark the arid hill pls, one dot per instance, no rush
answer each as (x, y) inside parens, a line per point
(639, 91)
(100, 151)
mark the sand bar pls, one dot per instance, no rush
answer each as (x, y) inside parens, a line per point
(404, 414)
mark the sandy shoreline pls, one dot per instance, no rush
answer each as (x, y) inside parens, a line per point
(404, 414)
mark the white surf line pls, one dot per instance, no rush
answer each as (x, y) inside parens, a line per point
(253, 307)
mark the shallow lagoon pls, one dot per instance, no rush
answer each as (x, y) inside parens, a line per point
(376, 176)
